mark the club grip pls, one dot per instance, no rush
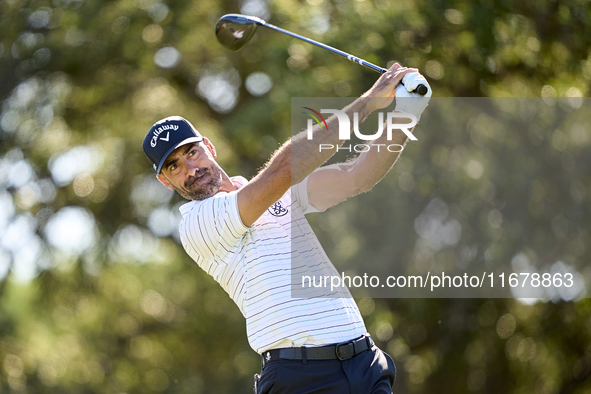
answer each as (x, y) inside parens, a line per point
(421, 89)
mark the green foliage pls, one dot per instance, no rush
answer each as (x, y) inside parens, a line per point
(121, 308)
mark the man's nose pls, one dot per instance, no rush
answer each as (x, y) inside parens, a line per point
(191, 168)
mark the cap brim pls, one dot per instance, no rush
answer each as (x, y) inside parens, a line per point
(183, 142)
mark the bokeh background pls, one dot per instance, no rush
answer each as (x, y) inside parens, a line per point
(96, 293)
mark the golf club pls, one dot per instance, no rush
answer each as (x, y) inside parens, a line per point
(234, 31)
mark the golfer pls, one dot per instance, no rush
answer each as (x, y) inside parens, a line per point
(245, 234)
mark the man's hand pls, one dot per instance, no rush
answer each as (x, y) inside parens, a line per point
(409, 102)
(385, 86)
(299, 156)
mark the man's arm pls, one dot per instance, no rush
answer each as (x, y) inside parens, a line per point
(333, 184)
(298, 157)
(330, 185)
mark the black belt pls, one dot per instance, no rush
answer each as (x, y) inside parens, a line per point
(340, 351)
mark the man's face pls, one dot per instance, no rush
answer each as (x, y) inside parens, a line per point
(192, 171)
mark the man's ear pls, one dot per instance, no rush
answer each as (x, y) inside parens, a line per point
(210, 146)
(164, 181)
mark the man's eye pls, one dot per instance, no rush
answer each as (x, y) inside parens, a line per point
(194, 151)
(173, 167)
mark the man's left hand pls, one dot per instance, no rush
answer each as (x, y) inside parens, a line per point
(409, 102)
(384, 90)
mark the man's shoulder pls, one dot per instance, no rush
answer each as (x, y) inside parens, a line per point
(223, 203)
(208, 203)
(204, 222)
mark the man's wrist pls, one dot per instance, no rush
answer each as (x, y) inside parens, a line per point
(364, 106)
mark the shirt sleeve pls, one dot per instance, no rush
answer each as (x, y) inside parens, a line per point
(212, 229)
(300, 194)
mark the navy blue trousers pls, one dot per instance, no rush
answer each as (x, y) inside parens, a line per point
(370, 372)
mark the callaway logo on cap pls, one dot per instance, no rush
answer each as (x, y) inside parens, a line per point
(165, 136)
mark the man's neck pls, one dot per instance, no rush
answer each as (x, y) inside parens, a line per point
(227, 185)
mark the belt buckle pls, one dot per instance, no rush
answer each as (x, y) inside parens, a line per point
(338, 345)
(265, 358)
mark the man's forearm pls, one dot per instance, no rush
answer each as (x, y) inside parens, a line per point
(300, 156)
(305, 153)
(371, 166)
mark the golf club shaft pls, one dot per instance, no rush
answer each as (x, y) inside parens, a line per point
(420, 89)
(355, 59)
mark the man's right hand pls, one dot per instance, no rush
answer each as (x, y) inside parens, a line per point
(384, 90)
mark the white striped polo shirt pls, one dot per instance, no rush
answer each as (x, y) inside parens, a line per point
(254, 266)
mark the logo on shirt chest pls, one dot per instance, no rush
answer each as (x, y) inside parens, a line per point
(278, 209)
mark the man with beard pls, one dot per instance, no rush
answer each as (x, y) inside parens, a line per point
(248, 235)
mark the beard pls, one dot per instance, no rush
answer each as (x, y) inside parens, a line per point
(201, 190)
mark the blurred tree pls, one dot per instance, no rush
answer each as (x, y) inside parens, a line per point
(98, 296)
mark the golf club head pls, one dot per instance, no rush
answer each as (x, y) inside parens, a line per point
(234, 31)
